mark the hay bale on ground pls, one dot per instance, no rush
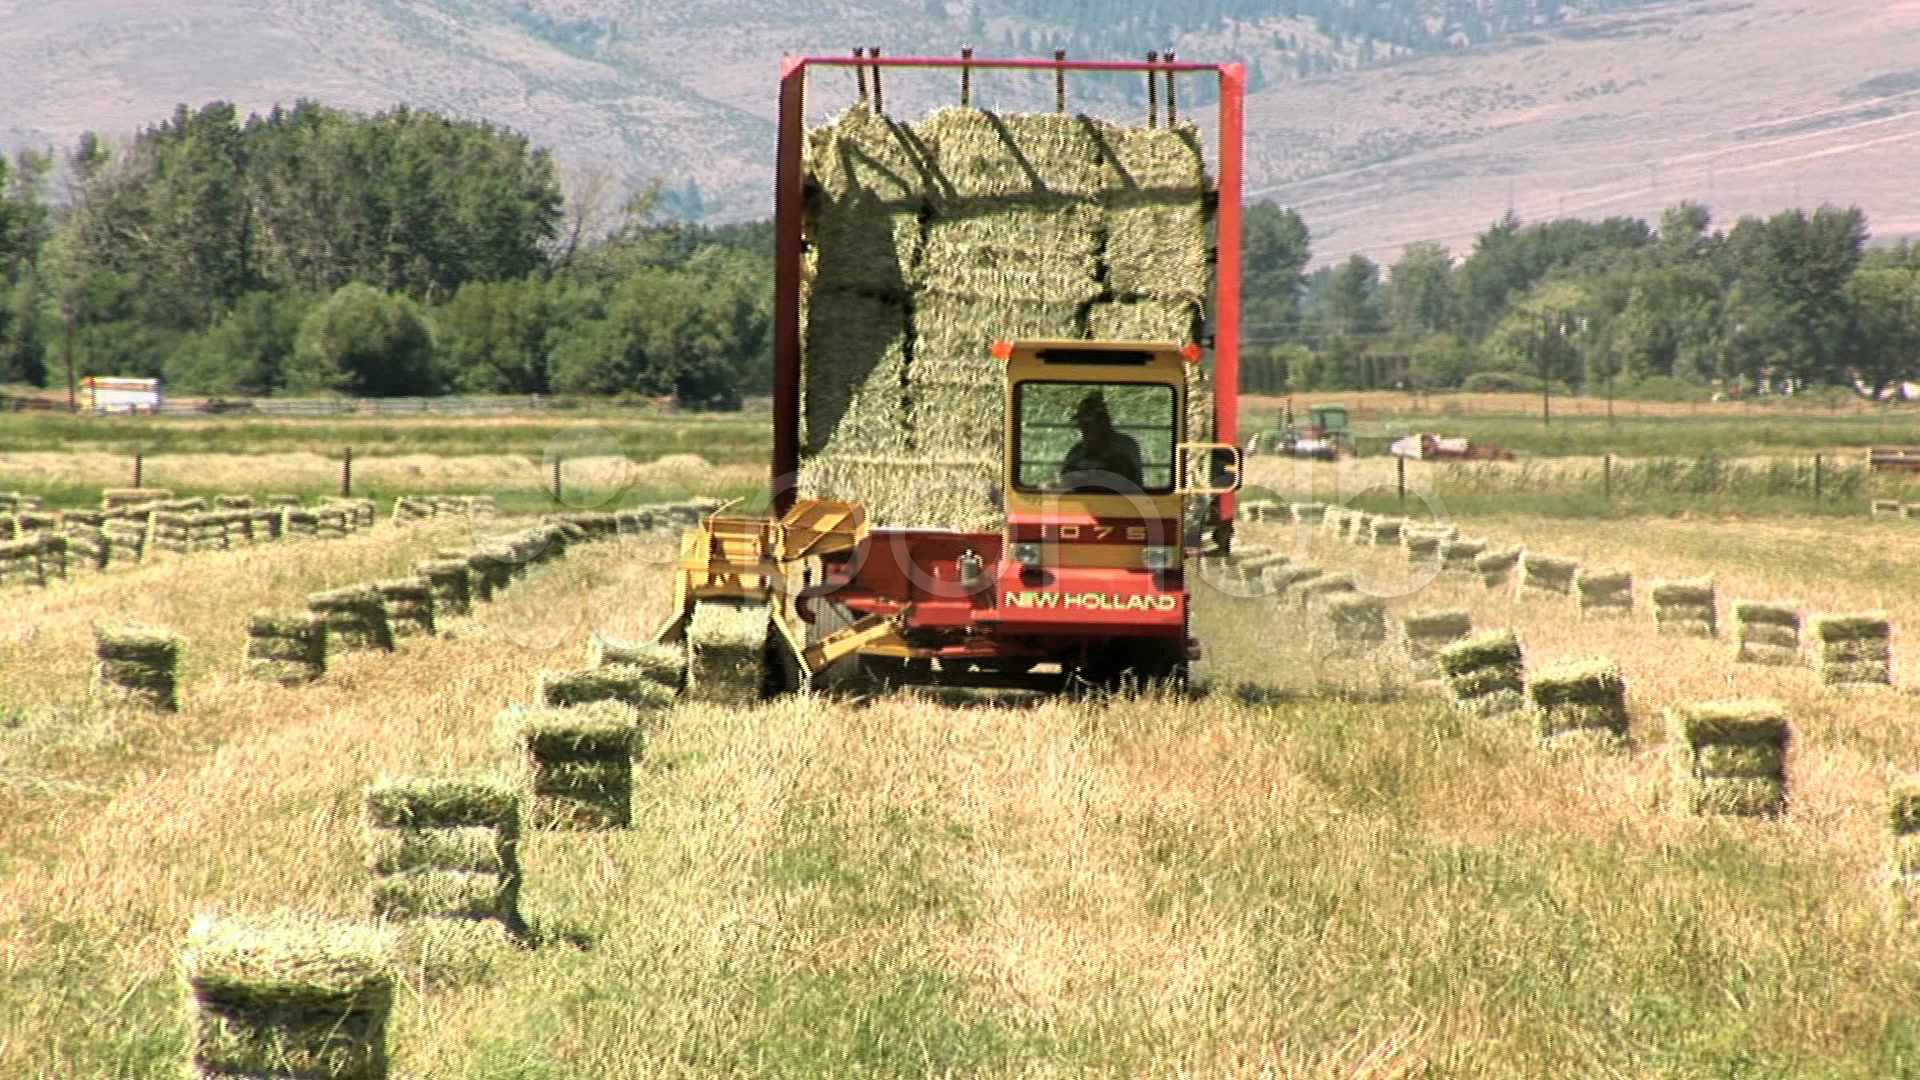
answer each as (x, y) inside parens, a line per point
(451, 584)
(1603, 594)
(1885, 508)
(287, 647)
(289, 998)
(490, 569)
(1306, 592)
(1281, 577)
(1386, 531)
(88, 547)
(1360, 529)
(1766, 632)
(1581, 698)
(355, 616)
(633, 686)
(1461, 555)
(1903, 856)
(137, 665)
(233, 502)
(726, 648)
(1486, 674)
(299, 521)
(1423, 545)
(1429, 631)
(1685, 606)
(409, 604)
(1351, 618)
(663, 664)
(1306, 513)
(1546, 574)
(1496, 568)
(1730, 757)
(1852, 650)
(577, 764)
(445, 847)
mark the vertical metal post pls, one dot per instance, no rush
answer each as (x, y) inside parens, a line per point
(1606, 476)
(346, 473)
(559, 493)
(1153, 90)
(139, 463)
(1818, 479)
(1059, 82)
(1400, 479)
(966, 77)
(788, 207)
(1173, 110)
(879, 104)
(860, 72)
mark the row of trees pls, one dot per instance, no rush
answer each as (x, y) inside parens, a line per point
(311, 249)
(1797, 297)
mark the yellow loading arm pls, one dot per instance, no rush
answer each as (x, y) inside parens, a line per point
(749, 558)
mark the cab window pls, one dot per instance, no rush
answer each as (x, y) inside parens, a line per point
(1082, 437)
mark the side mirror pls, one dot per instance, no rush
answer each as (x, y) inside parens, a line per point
(1209, 468)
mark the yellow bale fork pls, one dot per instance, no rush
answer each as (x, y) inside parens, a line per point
(759, 562)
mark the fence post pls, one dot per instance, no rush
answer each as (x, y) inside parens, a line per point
(1817, 485)
(1400, 478)
(558, 491)
(139, 464)
(346, 473)
(1606, 474)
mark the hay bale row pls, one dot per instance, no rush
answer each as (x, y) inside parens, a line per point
(409, 604)
(1685, 607)
(576, 763)
(287, 647)
(725, 649)
(445, 847)
(115, 498)
(1766, 632)
(663, 664)
(1585, 699)
(355, 618)
(1460, 555)
(1386, 531)
(1349, 618)
(1852, 649)
(1485, 674)
(1886, 508)
(1603, 594)
(1730, 757)
(451, 583)
(288, 998)
(137, 665)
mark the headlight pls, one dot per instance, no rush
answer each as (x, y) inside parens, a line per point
(1026, 554)
(1160, 557)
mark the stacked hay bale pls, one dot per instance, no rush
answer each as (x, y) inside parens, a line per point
(15, 501)
(445, 847)
(233, 502)
(1306, 513)
(576, 763)
(126, 538)
(408, 509)
(663, 664)
(1486, 674)
(1360, 529)
(330, 522)
(282, 501)
(725, 649)
(53, 556)
(1903, 823)
(205, 531)
(409, 604)
(117, 498)
(20, 563)
(287, 647)
(1886, 508)
(1460, 555)
(88, 546)
(360, 513)
(489, 570)
(1582, 700)
(288, 998)
(1546, 574)
(1350, 618)
(450, 582)
(1385, 531)
(1259, 509)
(355, 618)
(1496, 567)
(932, 242)
(137, 665)
(299, 521)
(635, 686)
(1730, 757)
(172, 532)
(1281, 578)
(1852, 650)
(265, 525)
(1603, 594)
(1333, 522)
(1427, 632)
(1766, 632)
(1685, 606)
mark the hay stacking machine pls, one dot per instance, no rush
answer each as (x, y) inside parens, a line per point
(1081, 582)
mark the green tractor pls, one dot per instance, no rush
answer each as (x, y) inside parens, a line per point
(1326, 434)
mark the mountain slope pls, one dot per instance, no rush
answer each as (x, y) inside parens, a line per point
(1736, 103)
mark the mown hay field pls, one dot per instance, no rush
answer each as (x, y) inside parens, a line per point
(1314, 867)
